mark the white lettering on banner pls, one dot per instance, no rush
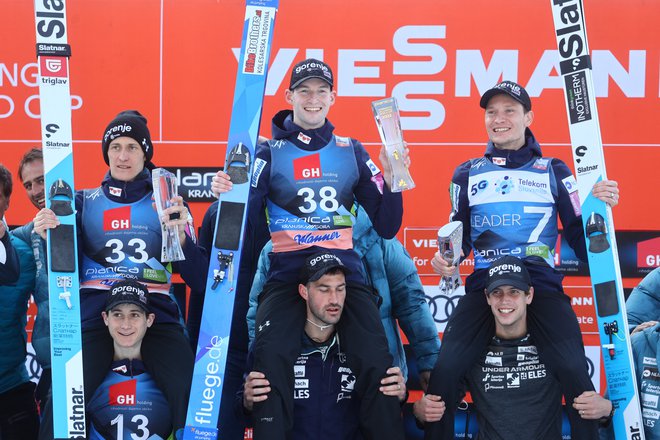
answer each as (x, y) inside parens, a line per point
(18, 76)
(346, 82)
(417, 56)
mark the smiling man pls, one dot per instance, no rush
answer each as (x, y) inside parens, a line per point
(128, 402)
(509, 202)
(307, 179)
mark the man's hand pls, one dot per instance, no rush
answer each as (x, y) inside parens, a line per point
(394, 384)
(221, 183)
(642, 326)
(177, 215)
(430, 408)
(592, 406)
(607, 191)
(255, 389)
(45, 220)
(441, 266)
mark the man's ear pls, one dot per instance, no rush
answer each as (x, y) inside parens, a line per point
(150, 319)
(302, 290)
(288, 96)
(105, 317)
(530, 296)
(487, 297)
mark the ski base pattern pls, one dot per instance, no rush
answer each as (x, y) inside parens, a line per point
(589, 161)
(211, 357)
(63, 283)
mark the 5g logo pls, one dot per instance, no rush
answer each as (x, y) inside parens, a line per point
(474, 189)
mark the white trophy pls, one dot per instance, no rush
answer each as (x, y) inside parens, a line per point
(450, 240)
(165, 187)
(386, 114)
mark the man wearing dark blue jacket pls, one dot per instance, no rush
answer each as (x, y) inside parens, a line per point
(508, 201)
(308, 179)
(388, 268)
(128, 403)
(325, 405)
(119, 237)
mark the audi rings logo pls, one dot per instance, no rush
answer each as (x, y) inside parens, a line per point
(33, 367)
(591, 368)
(592, 353)
(442, 304)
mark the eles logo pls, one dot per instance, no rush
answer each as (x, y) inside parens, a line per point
(308, 167)
(116, 219)
(123, 393)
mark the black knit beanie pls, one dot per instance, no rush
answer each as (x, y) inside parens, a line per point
(132, 124)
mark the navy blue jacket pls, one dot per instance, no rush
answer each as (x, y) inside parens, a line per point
(166, 309)
(543, 276)
(385, 210)
(325, 407)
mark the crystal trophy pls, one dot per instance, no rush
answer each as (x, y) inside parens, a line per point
(386, 114)
(450, 240)
(165, 188)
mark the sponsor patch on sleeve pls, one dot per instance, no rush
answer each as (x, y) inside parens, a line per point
(342, 141)
(379, 182)
(541, 163)
(259, 165)
(454, 191)
(372, 167)
(575, 201)
(570, 184)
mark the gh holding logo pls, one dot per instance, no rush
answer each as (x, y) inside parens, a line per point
(308, 167)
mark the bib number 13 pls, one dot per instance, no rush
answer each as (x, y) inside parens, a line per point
(328, 199)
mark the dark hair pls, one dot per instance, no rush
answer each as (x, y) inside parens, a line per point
(5, 181)
(29, 156)
(332, 271)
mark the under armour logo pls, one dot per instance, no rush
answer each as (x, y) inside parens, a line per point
(266, 324)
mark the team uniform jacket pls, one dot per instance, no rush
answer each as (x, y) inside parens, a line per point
(508, 202)
(325, 407)
(119, 237)
(515, 395)
(317, 177)
(129, 405)
(388, 268)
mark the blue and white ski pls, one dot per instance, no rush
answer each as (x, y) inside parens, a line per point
(63, 284)
(589, 161)
(211, 358)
